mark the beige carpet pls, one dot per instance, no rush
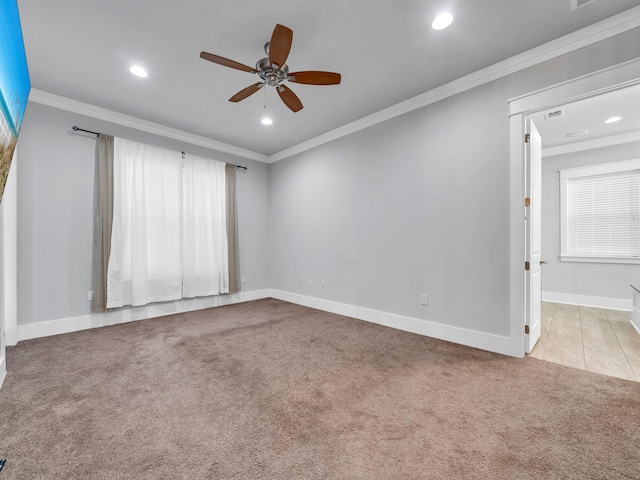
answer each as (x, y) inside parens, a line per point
(272, 390)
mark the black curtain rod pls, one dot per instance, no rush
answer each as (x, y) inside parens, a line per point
(239, 167)
(78, 129)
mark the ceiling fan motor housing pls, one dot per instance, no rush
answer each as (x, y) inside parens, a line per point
(271, 76)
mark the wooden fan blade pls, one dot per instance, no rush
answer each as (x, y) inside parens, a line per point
(289, 98)
(226, 62)
(245, 92)
(280, 45)
(315, 78)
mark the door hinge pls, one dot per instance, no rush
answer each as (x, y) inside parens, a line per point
(526, 266)
(526, 329)
(527, 137)
(527, 202)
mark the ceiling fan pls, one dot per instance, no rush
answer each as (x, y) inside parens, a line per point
(273, 70)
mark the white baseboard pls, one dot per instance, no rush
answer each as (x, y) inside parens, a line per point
(471, 338)
(589, 301)
(124, 315)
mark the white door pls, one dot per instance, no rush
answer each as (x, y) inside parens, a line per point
(533, 283)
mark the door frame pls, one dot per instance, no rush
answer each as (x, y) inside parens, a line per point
(8, 256)
(607, 80)
(8, 266)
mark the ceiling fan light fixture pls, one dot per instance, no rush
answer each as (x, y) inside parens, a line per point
(138, 71)
(613, 119)
(266, 121)
(442, 21)
(273, 70)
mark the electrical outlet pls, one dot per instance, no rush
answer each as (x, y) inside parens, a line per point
(90, 296)
(310, 282)
(323, 285)
(424, 300)
(243, 279)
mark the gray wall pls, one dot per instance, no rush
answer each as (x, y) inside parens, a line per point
(593, 279)
(418, 204)
(55, 201)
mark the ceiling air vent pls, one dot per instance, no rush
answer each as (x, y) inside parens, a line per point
(578, 133)
(557, 113)
(575, 4)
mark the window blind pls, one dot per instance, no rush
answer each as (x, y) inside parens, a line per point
(603, 215)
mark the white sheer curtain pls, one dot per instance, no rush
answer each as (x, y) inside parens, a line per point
(205, 249)
(145, 264)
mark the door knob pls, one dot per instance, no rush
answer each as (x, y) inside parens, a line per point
(543, 262)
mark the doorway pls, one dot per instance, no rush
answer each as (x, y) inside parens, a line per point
(586, 301)
(522, 111)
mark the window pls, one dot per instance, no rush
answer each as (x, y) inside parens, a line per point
(600, 213)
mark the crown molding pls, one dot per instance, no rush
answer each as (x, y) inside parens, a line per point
(64, 103)
(589, 35)
(591, 144)
(586, 36)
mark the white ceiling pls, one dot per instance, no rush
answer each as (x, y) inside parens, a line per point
(590, 115)
(384, 49)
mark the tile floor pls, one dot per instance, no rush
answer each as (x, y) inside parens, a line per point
(594, 339)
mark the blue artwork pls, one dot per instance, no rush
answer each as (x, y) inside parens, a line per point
(14, 84)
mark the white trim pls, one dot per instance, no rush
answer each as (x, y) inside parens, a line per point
(63, 103)
(589, 35)
(472, 338)
(124, 315)
(609, 79)
(3, 371)
(570, 258)
(463, 336)
(601, 169)
(589, 301)
(517, 273)
(609, 141)
(9, 255)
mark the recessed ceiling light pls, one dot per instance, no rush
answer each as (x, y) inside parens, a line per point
(139, 71)
(613, 119)
(442, 21)
(267, 121)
